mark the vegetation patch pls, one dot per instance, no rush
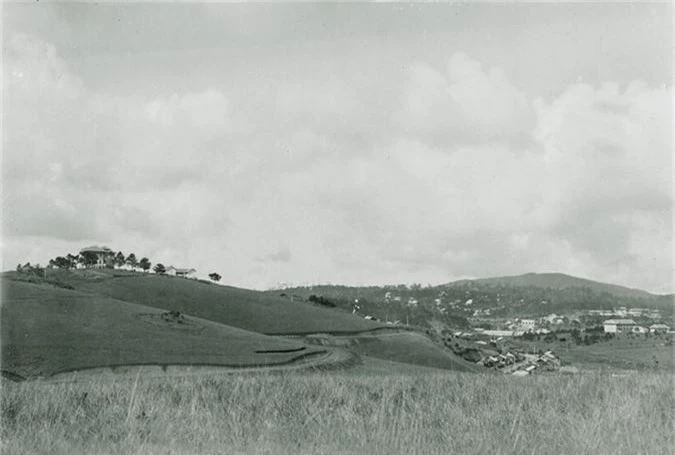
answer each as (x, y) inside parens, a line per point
(173, 321)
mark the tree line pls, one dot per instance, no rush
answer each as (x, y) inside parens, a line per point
(89, 258)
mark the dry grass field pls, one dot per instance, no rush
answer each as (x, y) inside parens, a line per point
(320, 413)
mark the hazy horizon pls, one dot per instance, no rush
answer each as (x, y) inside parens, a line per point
(349, 144)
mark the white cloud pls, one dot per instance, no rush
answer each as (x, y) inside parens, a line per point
(464, 104)
(81, 166)
(460, 175)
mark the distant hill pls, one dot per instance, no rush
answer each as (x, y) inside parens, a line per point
(453, 304)
(557, 281)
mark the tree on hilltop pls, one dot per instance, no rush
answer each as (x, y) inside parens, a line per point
(89, 258)
(145, 264)
(73, 260)
(214, 276)
(132, 261)
(60, 262)
(160, 269)
(120, 260)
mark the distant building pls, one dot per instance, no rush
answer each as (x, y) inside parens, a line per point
(184, 273)
(637, 312)
(618, 325)
(600, 312)
(104, 256)
(640, 329)
(527, 324)
(498, 333)
(659, 328)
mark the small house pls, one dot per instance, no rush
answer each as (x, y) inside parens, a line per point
(183, 273)
(659, 328)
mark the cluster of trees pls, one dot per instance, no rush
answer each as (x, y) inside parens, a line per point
(120, 260)
(115, 260)
(86, 258)
(34, 269)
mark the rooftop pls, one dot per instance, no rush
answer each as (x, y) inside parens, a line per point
(180, 270)
(96, 249)
(620, 321)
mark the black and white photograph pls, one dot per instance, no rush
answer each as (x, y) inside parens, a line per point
(305, 228)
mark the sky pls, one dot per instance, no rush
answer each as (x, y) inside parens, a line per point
(343, 143)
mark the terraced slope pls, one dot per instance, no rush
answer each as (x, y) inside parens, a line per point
(46, 330)
(246, 309)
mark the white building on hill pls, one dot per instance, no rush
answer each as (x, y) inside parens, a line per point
(185, 273)
(619, 325)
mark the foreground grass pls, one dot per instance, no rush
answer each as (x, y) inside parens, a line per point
(341, 414)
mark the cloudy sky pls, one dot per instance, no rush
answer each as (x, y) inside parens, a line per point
(354, 144)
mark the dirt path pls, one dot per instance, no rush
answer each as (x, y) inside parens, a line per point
(330, 359)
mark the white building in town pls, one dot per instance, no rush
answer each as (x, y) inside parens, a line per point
(527, 324)
(618, 325)
(659, 328)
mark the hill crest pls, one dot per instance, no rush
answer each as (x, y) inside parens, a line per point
(557, 281)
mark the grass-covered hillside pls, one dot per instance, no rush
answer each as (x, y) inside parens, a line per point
(90, 319)
(47, 330)
(413, 348)
(246, 309)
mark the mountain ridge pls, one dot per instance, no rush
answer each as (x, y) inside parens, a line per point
(556, 280)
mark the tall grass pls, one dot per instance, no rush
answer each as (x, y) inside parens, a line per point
(341, 414)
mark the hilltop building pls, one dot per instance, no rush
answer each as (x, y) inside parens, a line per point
(184, 273)
(102, 256)
(619, 325)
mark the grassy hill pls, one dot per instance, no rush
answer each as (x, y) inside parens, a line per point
(85, 319)
(557, 281)
(242, 308)
(47, 330)
(411, 348)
